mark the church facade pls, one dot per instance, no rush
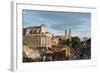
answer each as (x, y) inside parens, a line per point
(37, 36)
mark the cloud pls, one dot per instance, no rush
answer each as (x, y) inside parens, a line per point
(57, 22)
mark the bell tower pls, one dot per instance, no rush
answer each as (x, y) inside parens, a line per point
(69, 34)
(65, 34)
(69, 37)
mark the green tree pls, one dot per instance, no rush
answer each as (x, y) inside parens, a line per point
(75, 42)
(64, 42)
(88, 42)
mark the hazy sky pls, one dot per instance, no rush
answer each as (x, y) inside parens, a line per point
(57, 22)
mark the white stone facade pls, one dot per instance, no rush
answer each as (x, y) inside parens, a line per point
(37, 37)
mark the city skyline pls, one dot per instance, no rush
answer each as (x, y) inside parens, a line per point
(57, 22)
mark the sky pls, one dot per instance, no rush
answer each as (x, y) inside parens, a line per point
(57, 22)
